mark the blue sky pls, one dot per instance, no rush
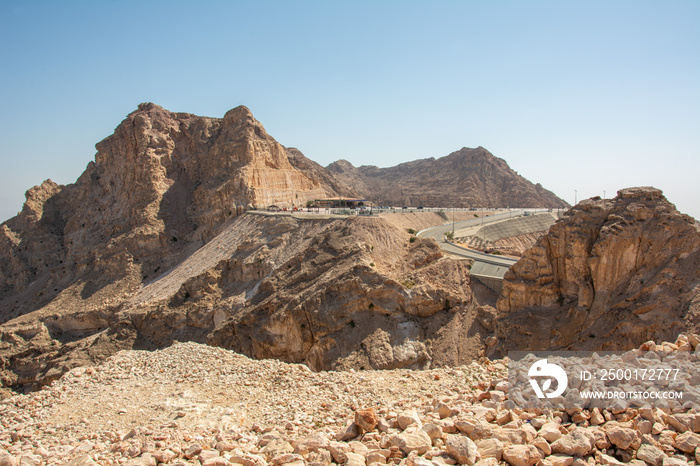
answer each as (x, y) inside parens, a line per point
(586, 96)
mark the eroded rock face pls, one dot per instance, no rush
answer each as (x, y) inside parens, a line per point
(358, 294)
(162, 184)
(610, 275)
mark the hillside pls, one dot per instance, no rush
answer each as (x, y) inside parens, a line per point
(467, 177)
(332, 293)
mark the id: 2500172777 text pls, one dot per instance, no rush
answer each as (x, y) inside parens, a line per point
(651, 375)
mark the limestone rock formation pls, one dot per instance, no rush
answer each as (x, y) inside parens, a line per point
(610, 275)
(162, 184)
(467, 177)
(358, 294)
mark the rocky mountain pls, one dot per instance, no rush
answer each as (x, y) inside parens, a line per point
(153, 243)
(467, 177)
(162, 184)
(610, 275)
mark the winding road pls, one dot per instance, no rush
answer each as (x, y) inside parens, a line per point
(439, 232)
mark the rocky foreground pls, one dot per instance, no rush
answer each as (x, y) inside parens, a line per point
(192, 404)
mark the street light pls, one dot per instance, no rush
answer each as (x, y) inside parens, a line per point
(575, 197)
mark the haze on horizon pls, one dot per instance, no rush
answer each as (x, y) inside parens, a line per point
(578, 96)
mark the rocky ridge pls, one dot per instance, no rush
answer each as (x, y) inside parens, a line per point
(611, 274)
(191, 404)
(328, 292)
(467, 177)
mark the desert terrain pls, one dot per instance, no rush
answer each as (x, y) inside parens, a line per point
(192, 404)
(157, 312)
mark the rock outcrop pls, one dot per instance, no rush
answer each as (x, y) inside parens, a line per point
(610, 275)
(467, 177)
(358, 294)
(160, 187)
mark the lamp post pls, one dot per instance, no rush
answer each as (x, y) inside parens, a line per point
(575, 197)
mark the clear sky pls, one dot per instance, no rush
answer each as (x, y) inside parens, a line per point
(580, 96)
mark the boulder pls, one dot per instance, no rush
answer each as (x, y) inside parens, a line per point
(651, 455)
(624, 438)
(578, 442)
(522, 455)
(462, 449)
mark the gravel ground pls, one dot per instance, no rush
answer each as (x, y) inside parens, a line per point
(192, 404)
(191, 391)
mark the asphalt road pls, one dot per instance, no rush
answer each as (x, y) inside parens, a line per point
(439, 232)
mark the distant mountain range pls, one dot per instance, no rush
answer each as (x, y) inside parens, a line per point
(465, 178)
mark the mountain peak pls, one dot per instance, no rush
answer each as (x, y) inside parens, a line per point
(147, 106)
(340, 166)
(239, 113)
